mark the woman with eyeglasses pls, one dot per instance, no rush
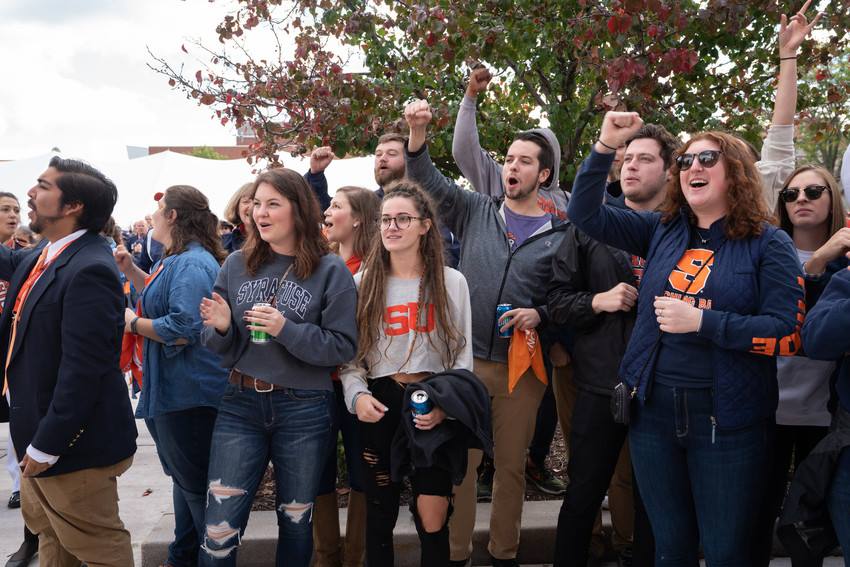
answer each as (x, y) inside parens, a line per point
(720, 298)
(413, 319)
(282, 315)
(810, 209)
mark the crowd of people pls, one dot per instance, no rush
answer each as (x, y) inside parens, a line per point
(682, 313)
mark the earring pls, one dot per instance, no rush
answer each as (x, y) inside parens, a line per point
(355, 225)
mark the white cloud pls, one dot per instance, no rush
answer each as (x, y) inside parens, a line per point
(75, 76)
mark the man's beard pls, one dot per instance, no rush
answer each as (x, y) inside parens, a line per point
(38, 222)
(390, 174)
(521, 193)
(644, 195)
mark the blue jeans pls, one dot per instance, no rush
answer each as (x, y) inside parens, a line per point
(839, 502)
(696, 481)
(182, 441)
(348, 424)
(293, 429)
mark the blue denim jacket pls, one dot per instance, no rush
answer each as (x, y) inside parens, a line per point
(179, 377)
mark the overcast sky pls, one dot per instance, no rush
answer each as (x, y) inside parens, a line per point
(75, 76)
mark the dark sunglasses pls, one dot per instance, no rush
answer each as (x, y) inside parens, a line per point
(813, 193)
(707, 158)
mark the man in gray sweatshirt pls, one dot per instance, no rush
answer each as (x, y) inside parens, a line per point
(507, 245)
(477, 165)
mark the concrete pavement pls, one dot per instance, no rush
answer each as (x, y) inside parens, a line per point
(140, 513)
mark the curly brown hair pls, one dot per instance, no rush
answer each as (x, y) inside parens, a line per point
(310, 245)
(432, 285)
(194, 222)
(747, 210)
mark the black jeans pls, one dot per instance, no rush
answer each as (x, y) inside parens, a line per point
(382, 494)
(595, 443)
(792, 443)
(544, 430)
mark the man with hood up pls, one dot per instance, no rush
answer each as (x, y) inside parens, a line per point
(485, 175)
(507, 246)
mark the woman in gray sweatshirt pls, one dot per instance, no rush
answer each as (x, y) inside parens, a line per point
(282, 316)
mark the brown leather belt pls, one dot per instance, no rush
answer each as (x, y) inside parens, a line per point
(245, 381)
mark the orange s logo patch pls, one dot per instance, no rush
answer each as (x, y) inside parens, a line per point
(687, 269)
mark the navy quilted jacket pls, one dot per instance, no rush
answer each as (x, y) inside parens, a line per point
(756, 288)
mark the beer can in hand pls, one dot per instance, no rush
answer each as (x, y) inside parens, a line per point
(501, 309)
(420, 404)
(260, 337)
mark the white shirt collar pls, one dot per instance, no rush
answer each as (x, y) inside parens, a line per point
(54, 247)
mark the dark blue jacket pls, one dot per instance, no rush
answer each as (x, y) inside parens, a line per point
(826, 332)
(68, 394)
(755, 285)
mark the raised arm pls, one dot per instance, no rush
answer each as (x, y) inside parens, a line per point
(451, 199)
(474, 162)
(625, 229)
(777, 155)
(320, 159)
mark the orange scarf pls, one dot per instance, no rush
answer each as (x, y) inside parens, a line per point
(132, 345)
(524, 352)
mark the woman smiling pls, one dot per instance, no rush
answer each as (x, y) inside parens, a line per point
(282, 316)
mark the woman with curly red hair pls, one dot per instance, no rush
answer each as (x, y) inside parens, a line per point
(719, 299)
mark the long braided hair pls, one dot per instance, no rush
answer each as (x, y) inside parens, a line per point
(371, 301)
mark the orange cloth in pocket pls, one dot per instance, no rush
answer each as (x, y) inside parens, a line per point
(525, 352)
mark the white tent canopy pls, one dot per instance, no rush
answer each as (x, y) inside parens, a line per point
(138, 179)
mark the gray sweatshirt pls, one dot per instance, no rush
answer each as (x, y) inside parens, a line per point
(485, 173)
(495, 274)
(320, 332)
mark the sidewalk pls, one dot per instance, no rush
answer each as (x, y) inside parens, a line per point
(139, 513)
(149, 517)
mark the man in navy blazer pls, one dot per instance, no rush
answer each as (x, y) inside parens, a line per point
(60, 339)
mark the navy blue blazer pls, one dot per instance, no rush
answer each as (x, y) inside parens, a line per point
(68, 395)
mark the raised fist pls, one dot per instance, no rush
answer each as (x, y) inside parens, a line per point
(418, 114)
(321, 158)
(479, 78)
(617, 127)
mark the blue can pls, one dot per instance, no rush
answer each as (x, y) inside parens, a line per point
(419, 403)
(501, 309)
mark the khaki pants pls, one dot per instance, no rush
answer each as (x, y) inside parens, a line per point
(620, 495)
(514, 418)
(76, 517)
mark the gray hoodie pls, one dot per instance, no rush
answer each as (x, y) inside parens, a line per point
(495, 274)
(485, 173)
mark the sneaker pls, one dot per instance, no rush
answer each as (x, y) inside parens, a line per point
(485, 485)
(15, 500)
(542, 480)
(624, 557)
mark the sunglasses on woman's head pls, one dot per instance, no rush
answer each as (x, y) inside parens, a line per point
(706, 158)
(812, 192)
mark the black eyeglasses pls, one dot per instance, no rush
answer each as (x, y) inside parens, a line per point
(401, 221)
(813, 193)
(707, 158)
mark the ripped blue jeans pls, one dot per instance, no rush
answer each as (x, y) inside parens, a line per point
(290, 427)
